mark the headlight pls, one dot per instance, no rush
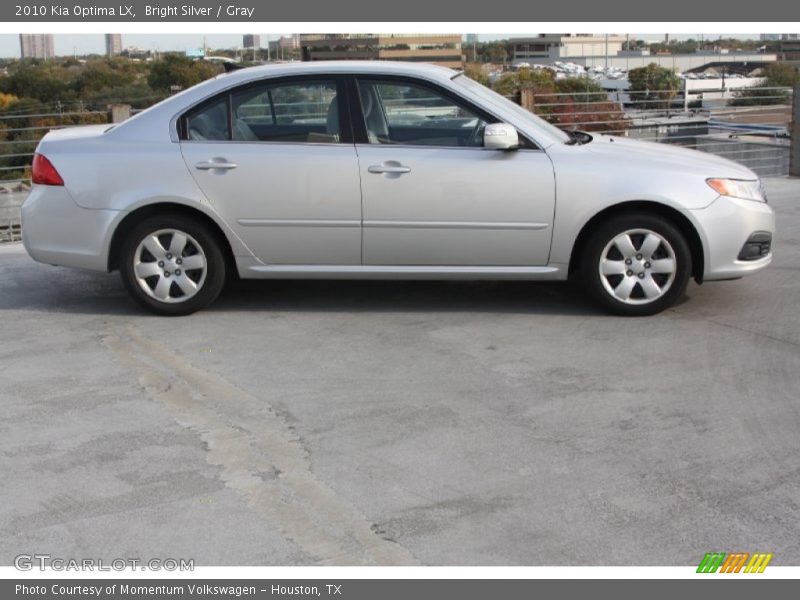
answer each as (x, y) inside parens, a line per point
(738, 188)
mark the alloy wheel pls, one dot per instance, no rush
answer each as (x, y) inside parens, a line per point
(170, 266)
(637, 266)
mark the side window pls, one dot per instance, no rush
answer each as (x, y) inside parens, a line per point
(303, 111)
(209, 123)
(406, 113)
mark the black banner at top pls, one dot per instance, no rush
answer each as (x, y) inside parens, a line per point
(443, 11)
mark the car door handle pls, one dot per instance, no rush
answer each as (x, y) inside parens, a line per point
(388, 169)
(207, 165)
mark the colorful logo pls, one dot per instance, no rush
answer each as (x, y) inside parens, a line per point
(734, 562)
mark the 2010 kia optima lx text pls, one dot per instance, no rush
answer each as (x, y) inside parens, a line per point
(383, 170)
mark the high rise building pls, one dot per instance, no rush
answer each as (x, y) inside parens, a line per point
(36, 45)
(113, 44)
(250, 40)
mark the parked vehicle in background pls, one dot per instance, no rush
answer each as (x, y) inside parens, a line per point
(383, 170)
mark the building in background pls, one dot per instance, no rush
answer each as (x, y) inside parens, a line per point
(564, 46)
(609, 52)
(285, 47)
(251, 41)
(789, 50)
(472, 38)
(36, 45)
(113, 44)
(440, 49)
(775, 37)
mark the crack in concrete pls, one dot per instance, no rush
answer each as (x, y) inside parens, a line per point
(257, 454)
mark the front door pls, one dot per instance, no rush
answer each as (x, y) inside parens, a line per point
(432, 195)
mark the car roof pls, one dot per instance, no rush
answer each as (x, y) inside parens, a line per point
(340, 66)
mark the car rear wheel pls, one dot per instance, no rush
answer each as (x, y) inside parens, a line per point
(637, 264)
(172, 265)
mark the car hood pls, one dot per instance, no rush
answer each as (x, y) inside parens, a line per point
(637, 153)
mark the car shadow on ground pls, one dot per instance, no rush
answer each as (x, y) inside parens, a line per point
(81, 292)
(522, 297)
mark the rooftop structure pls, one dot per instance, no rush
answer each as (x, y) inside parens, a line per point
(440, 49)
(559, 46)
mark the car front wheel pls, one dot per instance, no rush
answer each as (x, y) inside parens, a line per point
(637, 264)
(172, 265)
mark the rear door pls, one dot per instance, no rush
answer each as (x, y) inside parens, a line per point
(277, 161)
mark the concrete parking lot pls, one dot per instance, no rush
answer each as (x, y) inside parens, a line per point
(401, 423)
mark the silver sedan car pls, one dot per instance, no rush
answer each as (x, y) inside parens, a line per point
(383, 170)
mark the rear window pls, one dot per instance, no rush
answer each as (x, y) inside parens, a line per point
(293, 111)
(209, 123)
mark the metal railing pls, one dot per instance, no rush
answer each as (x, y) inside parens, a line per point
(748, 125)
(751, 126)
(20, 132)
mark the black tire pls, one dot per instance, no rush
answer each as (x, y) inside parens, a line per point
(200, 241)
(603, 287)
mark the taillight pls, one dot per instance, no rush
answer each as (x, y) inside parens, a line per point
(43, 171)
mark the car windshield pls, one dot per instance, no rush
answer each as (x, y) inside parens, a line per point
(481, 90)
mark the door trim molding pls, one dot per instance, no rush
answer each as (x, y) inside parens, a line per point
(454, 225)
(299, 222)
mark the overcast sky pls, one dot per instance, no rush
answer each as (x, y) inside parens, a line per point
(66, 44)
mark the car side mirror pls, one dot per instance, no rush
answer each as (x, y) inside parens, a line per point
(500, 136)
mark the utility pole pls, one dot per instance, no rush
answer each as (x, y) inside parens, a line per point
(794, 149)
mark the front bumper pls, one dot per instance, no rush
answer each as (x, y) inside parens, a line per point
(55, 230)
(725, 227)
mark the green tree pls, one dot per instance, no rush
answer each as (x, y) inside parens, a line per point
(781, 74)
(511, 83)
(35, 79)
(580, 89)
(653, 86)
(476, 73)
(178, 70)
(778, 75)
(491, 52)
(106, 74)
